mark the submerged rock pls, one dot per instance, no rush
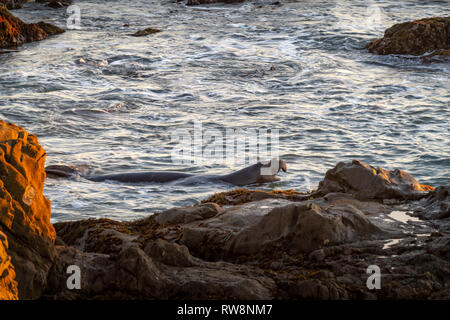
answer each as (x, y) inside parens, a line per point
(431, 35)
(145, 32)
(25, 212)
(199, 2)
(14, 32)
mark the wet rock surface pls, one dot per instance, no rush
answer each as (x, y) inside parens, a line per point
(14, 32)
(240, 244)
(431, 35)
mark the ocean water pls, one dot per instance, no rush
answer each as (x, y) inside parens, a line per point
(107, 102)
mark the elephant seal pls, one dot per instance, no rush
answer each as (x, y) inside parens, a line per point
(256, 173)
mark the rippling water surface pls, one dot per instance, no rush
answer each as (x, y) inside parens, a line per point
(107, 102)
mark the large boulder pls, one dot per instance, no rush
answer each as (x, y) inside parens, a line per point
(24, 211)
(368, 182)
(414, 38)
(14, 32)
(302, 228)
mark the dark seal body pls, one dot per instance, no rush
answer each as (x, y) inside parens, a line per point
(249, 175)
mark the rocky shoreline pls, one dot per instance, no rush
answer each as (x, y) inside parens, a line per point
(242, 244)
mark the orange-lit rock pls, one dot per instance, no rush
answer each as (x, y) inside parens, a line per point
(14, 32)
(24, 211)
(8, 284)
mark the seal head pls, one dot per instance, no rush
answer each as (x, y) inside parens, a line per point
(257, 173)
